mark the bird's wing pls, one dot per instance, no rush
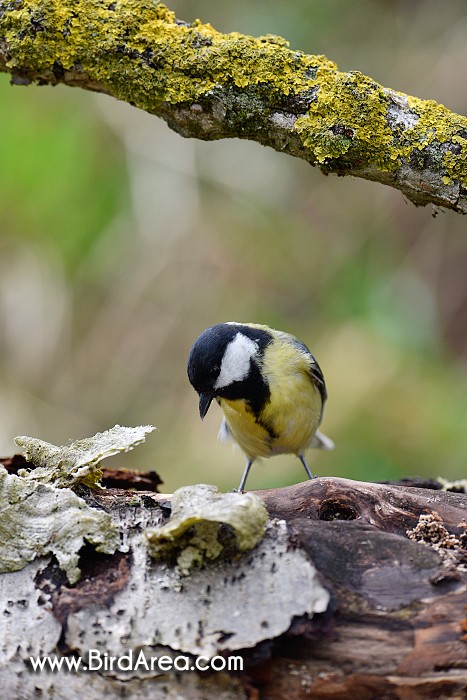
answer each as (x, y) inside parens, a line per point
(314, 370)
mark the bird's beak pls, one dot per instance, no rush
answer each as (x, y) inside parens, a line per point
(205, 399)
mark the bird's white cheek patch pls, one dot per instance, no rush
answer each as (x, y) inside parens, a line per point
(236, 361)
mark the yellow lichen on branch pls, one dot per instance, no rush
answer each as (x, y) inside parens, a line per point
(158, 56)
(212, 85)
(353, 111)
(360, 106)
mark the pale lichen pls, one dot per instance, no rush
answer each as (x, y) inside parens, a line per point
(457, 486)
(38, 519)
(194, 532)
(67, 466)
(39, 512)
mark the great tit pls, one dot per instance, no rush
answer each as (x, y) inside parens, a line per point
(269, 386)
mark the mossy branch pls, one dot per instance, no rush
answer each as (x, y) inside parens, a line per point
(210, 85)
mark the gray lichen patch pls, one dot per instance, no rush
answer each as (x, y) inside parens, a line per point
(67, 466)
(226, 606)
(203, 522)
(27, 625)
(38, 519)
(39, 512)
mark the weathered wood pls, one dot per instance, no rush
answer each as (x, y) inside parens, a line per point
(394, 626)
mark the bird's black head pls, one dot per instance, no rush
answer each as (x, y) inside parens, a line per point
(225, 362)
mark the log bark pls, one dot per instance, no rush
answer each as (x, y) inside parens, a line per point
(210, 85)
(393, 623)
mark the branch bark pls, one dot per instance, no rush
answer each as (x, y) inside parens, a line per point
(210, 85)
(394, 624)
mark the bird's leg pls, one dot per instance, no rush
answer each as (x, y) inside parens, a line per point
(244, 476)
(307, 468)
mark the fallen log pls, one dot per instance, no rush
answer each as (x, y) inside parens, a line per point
(356, 590)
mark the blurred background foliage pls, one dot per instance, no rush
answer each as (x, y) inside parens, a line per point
(120, 242)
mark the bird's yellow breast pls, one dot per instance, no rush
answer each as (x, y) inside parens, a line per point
(291, 416)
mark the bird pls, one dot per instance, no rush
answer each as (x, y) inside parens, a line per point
(269, 386)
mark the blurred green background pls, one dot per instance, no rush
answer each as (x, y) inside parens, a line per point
(120, 242)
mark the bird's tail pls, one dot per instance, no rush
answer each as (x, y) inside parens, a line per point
(321, 441)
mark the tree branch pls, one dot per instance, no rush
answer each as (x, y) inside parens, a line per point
(210, 85)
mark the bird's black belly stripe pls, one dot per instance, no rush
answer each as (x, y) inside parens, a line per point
(268, 428)
(254, 390)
